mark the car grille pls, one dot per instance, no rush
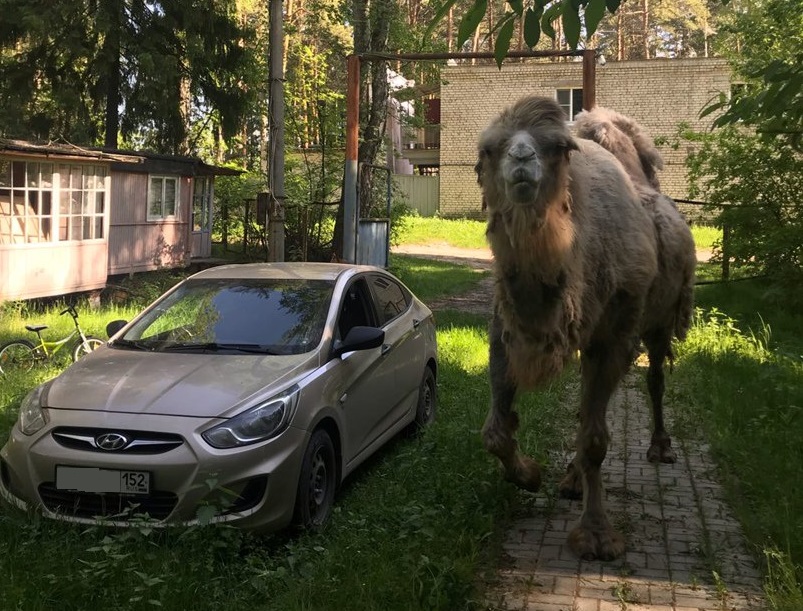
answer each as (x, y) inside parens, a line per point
(157, 505)
(139, 442)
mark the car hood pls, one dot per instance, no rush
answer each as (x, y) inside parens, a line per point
(202, 385)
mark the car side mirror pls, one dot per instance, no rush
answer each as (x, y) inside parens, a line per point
(360, 338)
(114, 326)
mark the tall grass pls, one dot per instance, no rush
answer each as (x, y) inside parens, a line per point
(749, 398)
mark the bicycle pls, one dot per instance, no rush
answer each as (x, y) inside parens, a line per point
(19, 355)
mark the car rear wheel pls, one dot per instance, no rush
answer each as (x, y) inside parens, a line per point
(316, 486)
(427, 400)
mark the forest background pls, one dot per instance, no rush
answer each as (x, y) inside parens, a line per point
(191, 77)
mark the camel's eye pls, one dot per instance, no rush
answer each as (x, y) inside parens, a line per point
(486, 151)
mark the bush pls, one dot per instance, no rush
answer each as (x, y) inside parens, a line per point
(753, 184)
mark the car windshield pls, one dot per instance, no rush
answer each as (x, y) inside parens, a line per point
(261, 316)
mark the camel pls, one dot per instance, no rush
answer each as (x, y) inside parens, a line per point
(589, 257)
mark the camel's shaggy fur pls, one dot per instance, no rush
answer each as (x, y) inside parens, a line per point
(588, 257)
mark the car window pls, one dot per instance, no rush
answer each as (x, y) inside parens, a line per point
(356, 309)
(273, 316)
(391, 298)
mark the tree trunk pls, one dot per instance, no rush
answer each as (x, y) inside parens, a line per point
(111, 56)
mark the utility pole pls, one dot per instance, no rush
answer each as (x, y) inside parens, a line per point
(276, 130)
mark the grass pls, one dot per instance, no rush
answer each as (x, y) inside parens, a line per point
(460, 233)
(741, 375)
(467, 233)
(412, 529)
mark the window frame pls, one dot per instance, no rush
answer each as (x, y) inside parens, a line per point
(47, 191)
(150, 217)
(572, 111)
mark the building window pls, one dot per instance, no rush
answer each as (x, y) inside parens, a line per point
(571, 101)
(201, 203)
(82, 197)
(43, 202)
(162, 197)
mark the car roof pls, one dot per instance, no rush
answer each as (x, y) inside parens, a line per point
(284, 271)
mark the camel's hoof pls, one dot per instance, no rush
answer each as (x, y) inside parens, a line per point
(526, 474)
(571, 486)
(603, 544)
(662, 452)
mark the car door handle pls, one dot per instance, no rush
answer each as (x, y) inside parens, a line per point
(386, 348)
(416, 322)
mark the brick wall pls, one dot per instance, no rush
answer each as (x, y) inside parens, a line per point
(658, 93)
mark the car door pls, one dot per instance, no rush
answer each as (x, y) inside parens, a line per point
(403, 336)
(367, 377)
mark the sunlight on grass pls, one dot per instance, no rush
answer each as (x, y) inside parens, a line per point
(460, 233)
(468, 233)
(749, 398)
(706, 236)
(464, 347)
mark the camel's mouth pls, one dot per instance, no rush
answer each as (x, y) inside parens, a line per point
(522, 191)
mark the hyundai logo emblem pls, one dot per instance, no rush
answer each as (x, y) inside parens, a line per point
(111, 441)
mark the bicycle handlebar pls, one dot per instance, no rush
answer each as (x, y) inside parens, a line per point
(71, 310)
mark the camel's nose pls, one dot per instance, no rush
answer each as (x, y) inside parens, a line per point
(521, 150)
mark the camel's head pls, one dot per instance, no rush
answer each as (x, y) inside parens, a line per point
(523, 155)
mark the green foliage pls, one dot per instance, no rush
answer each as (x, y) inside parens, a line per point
(80, 70)
(754, 187)
(764, 41)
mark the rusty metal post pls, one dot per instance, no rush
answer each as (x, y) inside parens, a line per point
(589, 79)
(350, 208)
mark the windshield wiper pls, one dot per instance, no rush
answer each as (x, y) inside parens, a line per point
(133, 344)
(217, 347)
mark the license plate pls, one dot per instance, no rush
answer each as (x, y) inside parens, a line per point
(89, 479)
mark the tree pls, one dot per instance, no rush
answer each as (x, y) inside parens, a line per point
(82, 69)
(764, 42)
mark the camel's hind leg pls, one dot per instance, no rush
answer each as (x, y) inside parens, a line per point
(502, 420)
(658, 348)
(603, 366)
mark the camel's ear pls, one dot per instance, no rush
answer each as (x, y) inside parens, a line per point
(571, 145)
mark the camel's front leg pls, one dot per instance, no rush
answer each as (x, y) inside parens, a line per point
(502, 420)
(602, 368)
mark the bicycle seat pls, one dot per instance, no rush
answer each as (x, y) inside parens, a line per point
(35, 328)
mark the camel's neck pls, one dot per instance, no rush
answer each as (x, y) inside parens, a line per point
(520, 240)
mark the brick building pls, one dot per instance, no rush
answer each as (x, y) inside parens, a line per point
(659, 94)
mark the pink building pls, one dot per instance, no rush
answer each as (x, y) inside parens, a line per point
(70, 217)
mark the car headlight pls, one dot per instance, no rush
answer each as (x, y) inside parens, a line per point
(32, 417)
(259, 423)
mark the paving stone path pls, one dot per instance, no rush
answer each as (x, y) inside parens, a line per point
(685, 550)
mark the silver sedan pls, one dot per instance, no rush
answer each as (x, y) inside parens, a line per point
(245, 394)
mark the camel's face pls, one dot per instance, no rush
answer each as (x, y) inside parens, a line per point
(522, 167)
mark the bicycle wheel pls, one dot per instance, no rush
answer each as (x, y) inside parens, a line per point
(16, 356)
(82, 349)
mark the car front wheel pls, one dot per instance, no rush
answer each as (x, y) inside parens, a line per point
(316, 486)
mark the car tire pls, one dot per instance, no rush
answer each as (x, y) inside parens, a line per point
(92, 343)
(316, 485)
(427, 401)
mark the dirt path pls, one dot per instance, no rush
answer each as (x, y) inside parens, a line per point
(685, 551)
